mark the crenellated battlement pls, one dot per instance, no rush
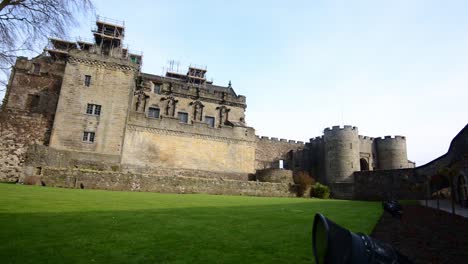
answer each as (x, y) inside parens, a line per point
(316, 140)
(279, 140)
(366, 138)
(339, 128)
(391, 138)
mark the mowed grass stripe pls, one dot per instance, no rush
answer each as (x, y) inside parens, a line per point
(53, 225)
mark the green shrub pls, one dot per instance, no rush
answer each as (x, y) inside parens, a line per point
(320, 191)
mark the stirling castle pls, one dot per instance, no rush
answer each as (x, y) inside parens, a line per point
(86, 106)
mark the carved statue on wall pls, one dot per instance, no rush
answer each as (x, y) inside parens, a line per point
(197, 110)
(223, 115)
(170, 106)
(141, 100)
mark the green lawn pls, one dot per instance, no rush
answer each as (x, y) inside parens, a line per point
(51, 225)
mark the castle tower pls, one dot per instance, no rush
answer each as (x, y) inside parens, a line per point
(391, 153)
(96, 89)
(341, 153)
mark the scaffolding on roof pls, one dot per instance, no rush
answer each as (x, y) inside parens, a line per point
(110, 21)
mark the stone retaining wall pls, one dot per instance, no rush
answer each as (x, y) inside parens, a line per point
(275, 175)
(389, 184)
(17, 132)
(108, 180)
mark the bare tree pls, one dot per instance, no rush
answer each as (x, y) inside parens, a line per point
(26, 24)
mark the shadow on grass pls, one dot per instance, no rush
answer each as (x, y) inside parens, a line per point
(238, 234)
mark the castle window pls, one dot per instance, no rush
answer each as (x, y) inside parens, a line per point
(153, 112)
(93, 109)
(183, 117)
(351, 145)
(210, 121)
(157, 88)
(88, 137)
(87, 80)
(36, 68)
(33, 101)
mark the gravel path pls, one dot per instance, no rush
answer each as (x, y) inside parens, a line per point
(426, 235)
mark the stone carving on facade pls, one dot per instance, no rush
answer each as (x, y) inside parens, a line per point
(142, 99)
(223, 115)
(170, 105)
(197, 110)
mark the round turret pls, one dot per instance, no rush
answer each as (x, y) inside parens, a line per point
(391, 153)
(341, 153)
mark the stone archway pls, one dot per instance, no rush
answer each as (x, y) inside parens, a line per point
(462, 191)
(364, 164)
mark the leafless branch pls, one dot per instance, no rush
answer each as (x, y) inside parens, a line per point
(25, 25)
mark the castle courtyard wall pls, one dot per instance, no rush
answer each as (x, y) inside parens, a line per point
(390, 184)
(268, 151)
(117, 181)
(154, 148)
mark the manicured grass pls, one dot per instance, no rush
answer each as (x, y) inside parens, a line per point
(51, 225)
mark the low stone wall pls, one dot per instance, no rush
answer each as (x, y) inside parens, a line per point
(389, 184)
(274, 175)
(43, 156)
(342, 190)
(176, 172)
(39, 156)
(108, 180)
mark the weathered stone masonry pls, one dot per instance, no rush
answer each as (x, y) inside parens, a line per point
(87, 106)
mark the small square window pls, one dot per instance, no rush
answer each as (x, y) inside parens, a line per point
(88, 137)
(36, 68)
(87, 81)
(153, 112)
(210, 121)
(33, 101)
(89, 109)
(93, 109)
(157, 88)
(97, 110)
(183, 117)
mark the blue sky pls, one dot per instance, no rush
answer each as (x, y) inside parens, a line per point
(387, 67)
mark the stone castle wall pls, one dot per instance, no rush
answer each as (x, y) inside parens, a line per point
(156, 147)
(17, 132)
(389, 184)
(39, 156)
(34, 86)
(268, 151)
(166, 143)
(28, 111)
(89, 179)
(274, 175)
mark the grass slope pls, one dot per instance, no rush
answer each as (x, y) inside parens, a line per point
(51, 225)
